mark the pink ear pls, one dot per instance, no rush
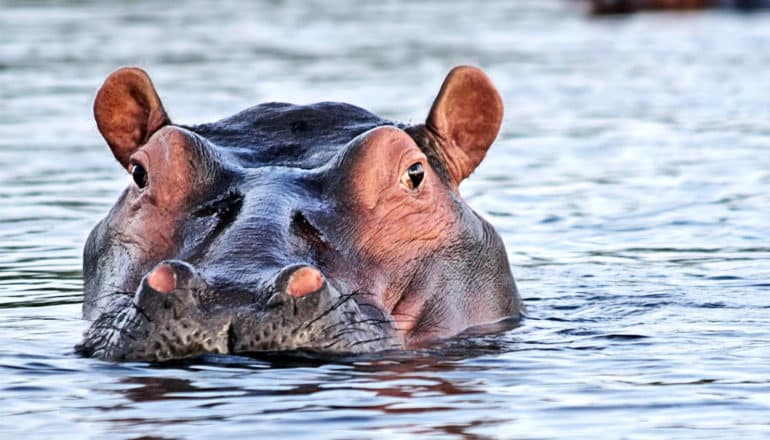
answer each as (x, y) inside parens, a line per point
(128, 111)
(466, 116)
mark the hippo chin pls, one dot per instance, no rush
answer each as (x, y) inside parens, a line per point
(320, 227)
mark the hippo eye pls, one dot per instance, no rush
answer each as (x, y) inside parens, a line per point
(413, 176)
(140, 175)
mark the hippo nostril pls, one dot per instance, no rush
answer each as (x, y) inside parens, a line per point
(170, 284)
(303, 281)
(170, 275)
(162, 279)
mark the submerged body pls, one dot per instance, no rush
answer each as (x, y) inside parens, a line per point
(320, 227)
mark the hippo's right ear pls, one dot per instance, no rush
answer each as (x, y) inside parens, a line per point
(128, 111)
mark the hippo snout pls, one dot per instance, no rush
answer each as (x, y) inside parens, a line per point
(175, 314)
(162, 320)
(305, 312)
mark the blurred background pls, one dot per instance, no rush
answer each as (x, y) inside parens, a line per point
(630, 183)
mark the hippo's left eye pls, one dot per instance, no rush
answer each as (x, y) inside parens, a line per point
(413, 176)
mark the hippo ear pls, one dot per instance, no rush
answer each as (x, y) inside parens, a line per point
(466, 116)
(128, 111)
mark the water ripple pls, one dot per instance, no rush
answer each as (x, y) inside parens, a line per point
(630, 184)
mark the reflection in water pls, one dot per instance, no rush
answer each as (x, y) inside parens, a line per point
(398, 385)
(630, 183)
(397, 374)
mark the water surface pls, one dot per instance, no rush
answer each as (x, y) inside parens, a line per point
(630, 183)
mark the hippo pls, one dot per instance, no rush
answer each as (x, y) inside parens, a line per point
(318, 228)
(602, 7)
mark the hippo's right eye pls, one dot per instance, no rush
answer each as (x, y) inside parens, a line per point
(139, 174)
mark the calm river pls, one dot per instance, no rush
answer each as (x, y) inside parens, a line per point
(631, 184)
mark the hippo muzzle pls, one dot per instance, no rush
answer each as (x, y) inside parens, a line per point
(172, 316)
(320, 228)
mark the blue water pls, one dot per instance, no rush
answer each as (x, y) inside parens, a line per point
(631, 184)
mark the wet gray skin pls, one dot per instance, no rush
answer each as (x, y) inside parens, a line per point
(159, 326)
(228, 214)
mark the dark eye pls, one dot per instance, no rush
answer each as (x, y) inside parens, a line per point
(414, 176)
(139, 175)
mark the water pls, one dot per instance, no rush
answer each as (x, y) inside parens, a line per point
(631, 184)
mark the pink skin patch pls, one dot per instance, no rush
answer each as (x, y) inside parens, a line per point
(162, 279)
(303, 281)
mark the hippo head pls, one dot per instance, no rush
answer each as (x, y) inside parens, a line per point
(321, 227)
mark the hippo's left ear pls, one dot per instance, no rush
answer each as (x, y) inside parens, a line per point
(466, 116)
(128, 111)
